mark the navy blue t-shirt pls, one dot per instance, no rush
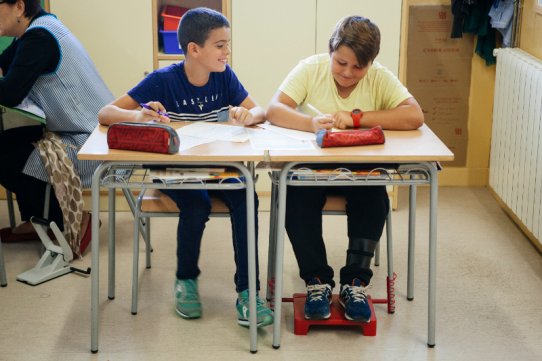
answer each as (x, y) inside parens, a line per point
(184, 101)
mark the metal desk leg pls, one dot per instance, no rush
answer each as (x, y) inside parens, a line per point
(411, 240)
(135, 261)
(279, 256)
(95, 250)
(3, 278)
(251, 249)
(270, 293)
(432, 297)
(111, 244)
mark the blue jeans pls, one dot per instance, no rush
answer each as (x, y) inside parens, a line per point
(195, 206)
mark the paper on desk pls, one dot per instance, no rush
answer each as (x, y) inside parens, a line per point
(296, 134)
(214, 131)
(188, 141)
(268, 140)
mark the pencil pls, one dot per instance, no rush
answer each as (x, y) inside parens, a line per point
(313, 109)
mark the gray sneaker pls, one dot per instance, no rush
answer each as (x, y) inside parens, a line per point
(187, 303)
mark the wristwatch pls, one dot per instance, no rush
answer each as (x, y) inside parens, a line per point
(356, 114)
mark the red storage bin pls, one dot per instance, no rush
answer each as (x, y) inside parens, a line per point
(171, 15)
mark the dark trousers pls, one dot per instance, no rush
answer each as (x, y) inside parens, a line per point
(195, 206)
(366, 210)
(15, 148)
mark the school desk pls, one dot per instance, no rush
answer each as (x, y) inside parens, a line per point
(415, 154)
(419, 149)
(111, 174)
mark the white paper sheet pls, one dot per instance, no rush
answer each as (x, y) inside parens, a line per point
(214, 131)
(296, 134)
(268, 140)
(188, 141)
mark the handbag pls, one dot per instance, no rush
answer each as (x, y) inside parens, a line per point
(143, 137)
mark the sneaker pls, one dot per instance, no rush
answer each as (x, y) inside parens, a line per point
(318, 300)
(264, 314)
(353, 298)
(187, 303)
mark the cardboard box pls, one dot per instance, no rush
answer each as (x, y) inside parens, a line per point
(438, 75)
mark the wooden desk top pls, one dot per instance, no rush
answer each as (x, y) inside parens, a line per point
(401, 146)
(96, 148)
(419, 145)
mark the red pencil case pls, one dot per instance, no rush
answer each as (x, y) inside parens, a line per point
(143, 137)
(348, 138)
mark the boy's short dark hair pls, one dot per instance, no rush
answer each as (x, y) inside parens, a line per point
(359, 34)
(196, 24)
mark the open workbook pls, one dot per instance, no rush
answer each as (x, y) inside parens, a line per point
(27, 109)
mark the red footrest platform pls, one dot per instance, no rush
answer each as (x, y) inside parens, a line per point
(301, 325)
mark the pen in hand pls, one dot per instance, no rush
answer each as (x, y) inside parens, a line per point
(313, 109)
(321, 121)
(143, 105)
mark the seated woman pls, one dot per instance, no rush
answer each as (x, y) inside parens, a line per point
(47, 64)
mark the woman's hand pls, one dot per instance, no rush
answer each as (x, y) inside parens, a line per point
(320, 122)
(241, 116)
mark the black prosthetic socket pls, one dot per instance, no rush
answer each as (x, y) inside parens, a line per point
(360, 252)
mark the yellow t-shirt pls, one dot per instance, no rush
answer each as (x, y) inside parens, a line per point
(311, 82)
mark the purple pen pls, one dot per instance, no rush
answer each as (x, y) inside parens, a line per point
(143, 105)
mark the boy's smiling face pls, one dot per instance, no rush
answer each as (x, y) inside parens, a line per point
(214, 53)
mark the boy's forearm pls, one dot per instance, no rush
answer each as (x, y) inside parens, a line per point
(284, 116)
(111, 114)
(404, 117)
(258, 114)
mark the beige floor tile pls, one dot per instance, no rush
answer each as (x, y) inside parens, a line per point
(488, 296)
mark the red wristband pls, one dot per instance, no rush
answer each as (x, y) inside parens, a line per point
(356, 115)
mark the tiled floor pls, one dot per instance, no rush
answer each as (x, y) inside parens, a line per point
(488, 296)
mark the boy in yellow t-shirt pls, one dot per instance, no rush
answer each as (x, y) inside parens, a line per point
(343, 89)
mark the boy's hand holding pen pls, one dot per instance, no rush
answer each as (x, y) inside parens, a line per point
(321, 120)
(156, 111)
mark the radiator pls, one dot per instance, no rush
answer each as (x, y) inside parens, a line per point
(515, 172)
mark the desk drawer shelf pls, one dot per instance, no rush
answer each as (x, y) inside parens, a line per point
(305, 174)
(126, 176)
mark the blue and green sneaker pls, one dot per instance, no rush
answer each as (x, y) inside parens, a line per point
(187, 303)
(264, 314)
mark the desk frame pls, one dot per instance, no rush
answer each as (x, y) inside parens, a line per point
(102, 178)
(432, 179)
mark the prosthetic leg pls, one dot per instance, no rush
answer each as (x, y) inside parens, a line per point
(360, 253)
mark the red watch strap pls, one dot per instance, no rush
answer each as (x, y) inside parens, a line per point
(356, 115)
(356, 122)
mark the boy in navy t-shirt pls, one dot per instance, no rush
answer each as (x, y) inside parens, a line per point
(200, 88)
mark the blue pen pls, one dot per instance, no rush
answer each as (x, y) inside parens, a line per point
(143, 105)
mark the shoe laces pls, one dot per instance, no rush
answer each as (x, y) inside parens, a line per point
(357, 293)
(317, 292)
(243, 299)
(188, 290)
(261, 306)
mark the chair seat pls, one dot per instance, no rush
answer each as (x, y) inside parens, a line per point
(335, 203)
(155, 201)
